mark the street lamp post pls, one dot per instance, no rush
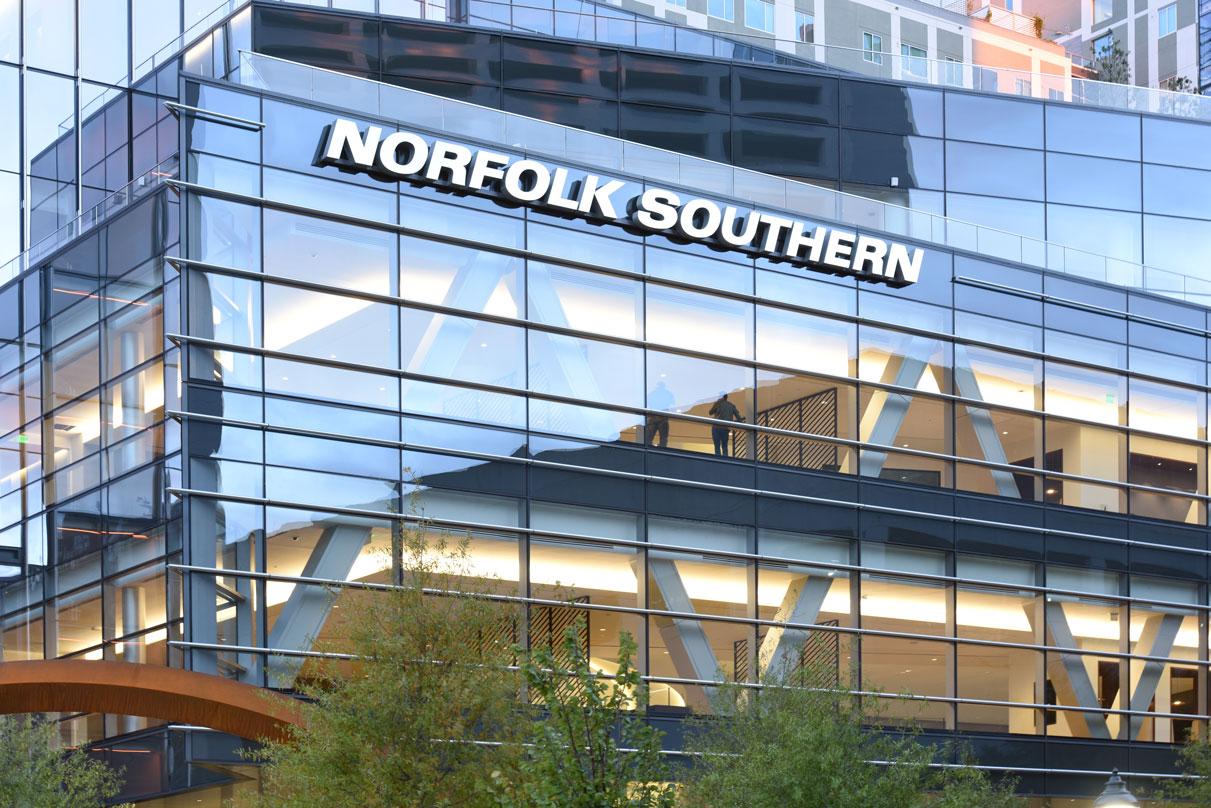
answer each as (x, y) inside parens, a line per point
(1115, 794)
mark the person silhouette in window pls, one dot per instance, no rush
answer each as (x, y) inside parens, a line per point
(724, 410)
(657, 431)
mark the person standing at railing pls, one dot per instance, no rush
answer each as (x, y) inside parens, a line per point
(724, 410)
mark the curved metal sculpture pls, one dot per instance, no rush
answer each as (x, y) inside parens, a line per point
(150, 691)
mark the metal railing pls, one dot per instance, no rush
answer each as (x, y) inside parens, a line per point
(554, 141)
(603, 23)
(116, 202)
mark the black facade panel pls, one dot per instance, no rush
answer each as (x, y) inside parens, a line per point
(583, 488)
(700, 469)
(591, 114)
(767, 93)
(701, 134)
(559, 67)
(877, 158)
(789, 149)
(696, 503)
(792, 515)
(335, 42)
(891, 108)
(668, 81)
(442, 54)
(482, 94)
(1088, 553)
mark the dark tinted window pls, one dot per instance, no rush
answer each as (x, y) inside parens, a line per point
(891, 160)
(676, 82)
(790, 149)
(890, 108)
(324, 40)
(702, 134)
(779, 94)
(593, 114)
(560, 67)
(446, 54)
(482, 94)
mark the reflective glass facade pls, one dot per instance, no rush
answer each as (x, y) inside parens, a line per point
(1123, 185)
(987, 489)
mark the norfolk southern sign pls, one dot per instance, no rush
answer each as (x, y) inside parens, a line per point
(415, 158)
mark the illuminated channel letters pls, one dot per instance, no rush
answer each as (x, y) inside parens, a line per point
(413, 157)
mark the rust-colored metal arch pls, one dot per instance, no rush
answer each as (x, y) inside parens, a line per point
(151, 691)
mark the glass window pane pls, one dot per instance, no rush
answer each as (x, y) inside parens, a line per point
(1093, 181)
(1114, 135)
(1177, 191)
(994, 120)
(1100, 232)
(463, 348)
(50, 36)
(699, 322)
(904, 360)
(1090, 395)
(330, 326)
(224, 233)
(805, 404)
(461, 277)
(783, 337)
(994, 170)
(585, 369)
(585, 301)
(330, 253)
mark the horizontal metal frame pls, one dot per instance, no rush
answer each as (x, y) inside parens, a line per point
(484, 527)
(1090, 307)
(176, 108)
(859, 506)
(852, 381)
(336, 655)
(186, 339)
(654, 612)
(186, 186)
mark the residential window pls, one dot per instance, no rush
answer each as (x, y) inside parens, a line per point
(913, 62)
(1102, 10)
(1103, 45)
(723, 9)
(872, 48)
(805, 26)
(759, 14)
(1166, 20)
(1022, 86)
(953, 73)
(1055, 95)
(678, 3)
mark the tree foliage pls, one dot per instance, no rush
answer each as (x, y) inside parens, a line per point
(1112, 64)
(800, 747)
(36, 773)
(575, 757)
(427, 711)
(1194, 760)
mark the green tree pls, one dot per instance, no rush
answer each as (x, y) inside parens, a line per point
(35, 772)
(427, 712)
(575, 756)
(1112, 64)
(803, 747)
(1194, 760)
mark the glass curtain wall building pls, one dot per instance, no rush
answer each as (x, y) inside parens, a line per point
(986, 490)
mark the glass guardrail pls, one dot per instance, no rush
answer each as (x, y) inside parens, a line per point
(606, 25)
(116, 202)
(553, 141)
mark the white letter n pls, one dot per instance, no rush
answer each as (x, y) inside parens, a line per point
(344, 136)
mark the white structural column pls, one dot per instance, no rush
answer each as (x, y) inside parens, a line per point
(782, 647)
(968, 386)
(1157, 639)
(304, 612)
(1070, 677)
(688, 646)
